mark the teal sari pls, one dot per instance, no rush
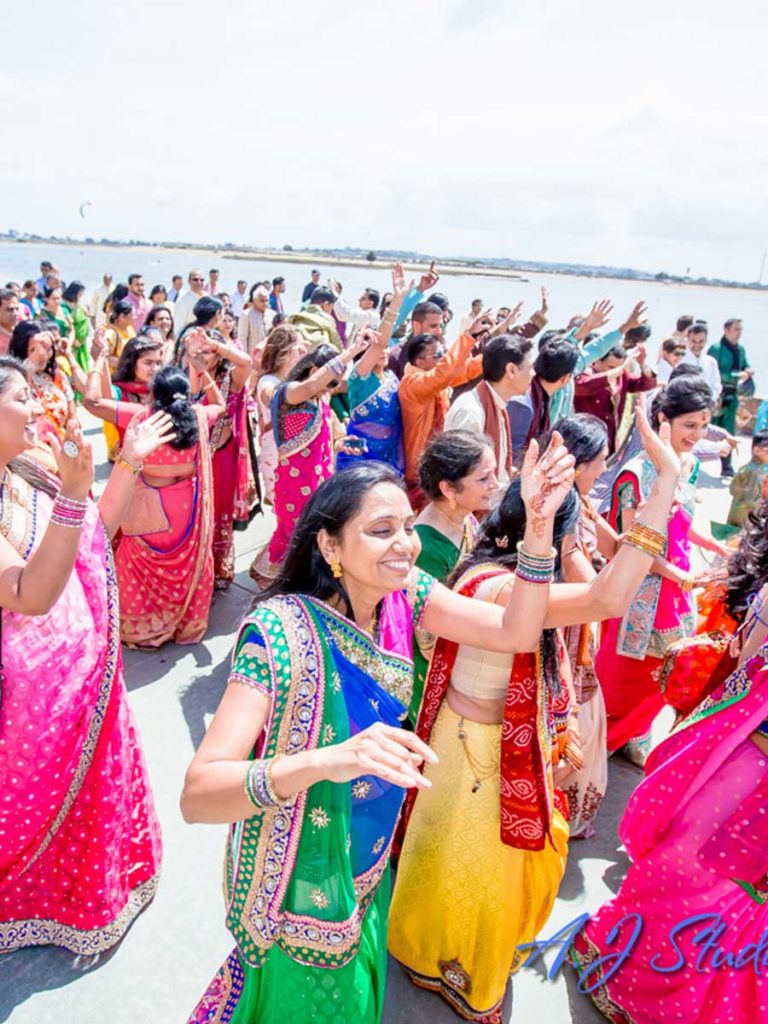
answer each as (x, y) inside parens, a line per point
(307, 883)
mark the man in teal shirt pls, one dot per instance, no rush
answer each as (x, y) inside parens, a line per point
(731, 359)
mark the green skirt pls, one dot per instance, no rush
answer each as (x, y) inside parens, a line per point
(285, 991)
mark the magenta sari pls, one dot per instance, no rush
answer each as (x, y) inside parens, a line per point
(79, 840)
(697, 832)
(631, 649)
(304, 460)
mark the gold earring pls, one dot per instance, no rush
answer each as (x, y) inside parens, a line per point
(335, 568)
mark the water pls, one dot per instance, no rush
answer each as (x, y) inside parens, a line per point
(568, 295)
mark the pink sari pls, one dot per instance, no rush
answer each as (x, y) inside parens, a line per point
(235, 477)
(79, 840)
(303, 437)
(697, 832)
(631, 649)
(165, 558)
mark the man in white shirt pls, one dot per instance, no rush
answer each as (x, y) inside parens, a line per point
(182, 311)
(507, 372)
(366, 315)
(213, 283)
(255, 323)
(696, 356)
(238, 298)
(99, 297)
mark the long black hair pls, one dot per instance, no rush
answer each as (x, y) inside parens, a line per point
(330, 508)
(23, 333)
(497, 543)
(144, 342)
(170, 393)
(748, 567)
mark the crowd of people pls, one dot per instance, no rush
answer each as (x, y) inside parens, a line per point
(480, 586)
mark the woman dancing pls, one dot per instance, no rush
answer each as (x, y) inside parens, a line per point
(79, 839)
(485, 847)
(305, 757)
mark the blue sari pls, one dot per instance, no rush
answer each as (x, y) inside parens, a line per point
(375, 417)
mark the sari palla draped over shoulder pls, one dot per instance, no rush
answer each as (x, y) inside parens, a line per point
(79, 839)
(236, 490)
(307, 883)
(661, 613)
(485, 847)
(165, 558)
(304, 460)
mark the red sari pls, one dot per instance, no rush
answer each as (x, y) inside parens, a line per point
(164, 559)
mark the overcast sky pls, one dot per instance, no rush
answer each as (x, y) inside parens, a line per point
(577, 130)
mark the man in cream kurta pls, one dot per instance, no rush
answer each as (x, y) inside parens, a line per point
(507, 370)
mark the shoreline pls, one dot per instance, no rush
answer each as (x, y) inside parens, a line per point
(448, 266)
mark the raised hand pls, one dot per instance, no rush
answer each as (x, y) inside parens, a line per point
(545, 481)
(503, 326)
(391, 754)
(195, 340)
(635, 319)
(99, 345)
(142, 437)
(363, 339)
(428, 281)
(474, 326)
(657, 445)
(399, 286)
(75, 469)
(598, 316)
(544, 307)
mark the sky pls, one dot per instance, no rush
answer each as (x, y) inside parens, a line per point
(579, 131)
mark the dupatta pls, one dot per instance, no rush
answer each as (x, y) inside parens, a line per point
(636, 633)
(527, 803)
(302, 875)
(684, 763)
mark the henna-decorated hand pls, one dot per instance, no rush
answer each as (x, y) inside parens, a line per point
(545, 481)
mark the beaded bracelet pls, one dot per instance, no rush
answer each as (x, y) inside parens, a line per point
(68, 512)
(258, 784)
(535, 568)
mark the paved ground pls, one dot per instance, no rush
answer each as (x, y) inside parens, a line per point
(166, 960)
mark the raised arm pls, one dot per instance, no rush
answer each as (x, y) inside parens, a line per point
(302, 391)
(517, 626)
(34, 587)
(380, 340)
(140, 440)
(611, 591)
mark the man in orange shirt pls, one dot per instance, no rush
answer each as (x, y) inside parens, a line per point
(425, 395)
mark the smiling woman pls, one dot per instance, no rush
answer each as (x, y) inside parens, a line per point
(305, 756)
(79, 839)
